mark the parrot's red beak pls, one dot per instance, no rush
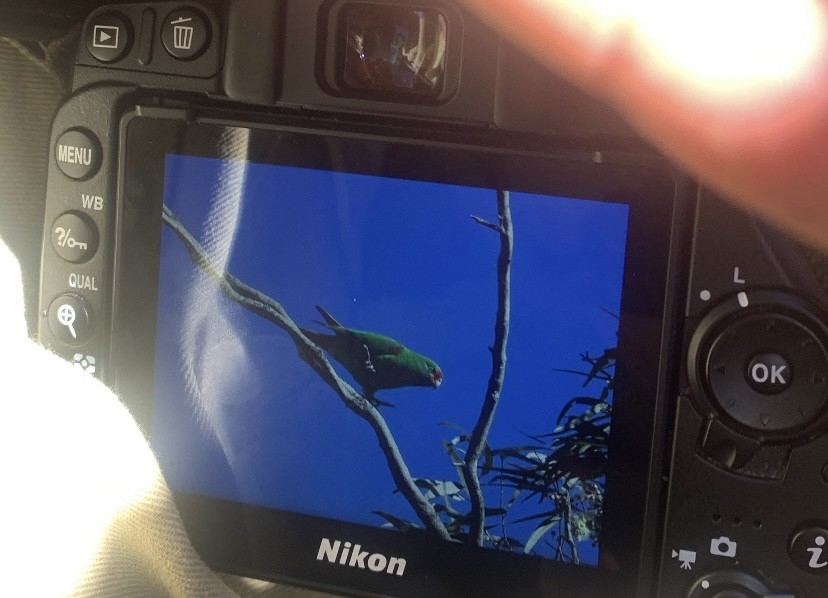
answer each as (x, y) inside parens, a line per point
(436, 379)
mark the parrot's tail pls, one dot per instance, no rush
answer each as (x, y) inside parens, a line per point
(330, 321)
(316, 337)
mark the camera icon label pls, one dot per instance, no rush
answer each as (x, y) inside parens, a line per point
(723, 546)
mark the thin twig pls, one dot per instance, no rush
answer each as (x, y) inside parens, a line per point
(480, 433)
(566, 521)
(271, 310)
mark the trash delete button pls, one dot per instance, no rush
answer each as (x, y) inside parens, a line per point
(185, 33)
(108, 37)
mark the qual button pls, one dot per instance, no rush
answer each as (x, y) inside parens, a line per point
(78, 154)
(185, 33)
(70, 319)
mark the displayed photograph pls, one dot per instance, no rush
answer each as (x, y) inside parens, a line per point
(393, 353)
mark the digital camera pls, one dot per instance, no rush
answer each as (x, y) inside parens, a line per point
(403, 314)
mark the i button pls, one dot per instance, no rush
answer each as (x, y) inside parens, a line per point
(808, 550)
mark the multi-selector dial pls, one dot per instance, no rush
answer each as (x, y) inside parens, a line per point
(759, 359)
(733, 584)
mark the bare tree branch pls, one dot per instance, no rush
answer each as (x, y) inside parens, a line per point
(271, 310)
(479, 435)
(495, 227)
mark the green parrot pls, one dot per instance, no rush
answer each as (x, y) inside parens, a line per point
(376, 362)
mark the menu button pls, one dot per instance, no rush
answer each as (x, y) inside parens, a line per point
(78, 154)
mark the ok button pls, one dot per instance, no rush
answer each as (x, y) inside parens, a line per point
(769, 373)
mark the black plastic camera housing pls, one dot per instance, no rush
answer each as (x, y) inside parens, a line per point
(222, 169)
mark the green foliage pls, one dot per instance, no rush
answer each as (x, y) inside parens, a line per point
(561, 471)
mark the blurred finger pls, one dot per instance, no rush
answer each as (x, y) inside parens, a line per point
(734, 91)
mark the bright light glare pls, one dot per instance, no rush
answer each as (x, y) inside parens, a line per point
(724, 47)
(733, 45)
(76, 465)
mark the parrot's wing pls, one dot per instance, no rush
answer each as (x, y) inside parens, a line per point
(407, 358)
(378, 344)
(389, 357)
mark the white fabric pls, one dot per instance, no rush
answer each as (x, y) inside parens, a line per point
(84, 508)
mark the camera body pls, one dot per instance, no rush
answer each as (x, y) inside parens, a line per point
(209, 148)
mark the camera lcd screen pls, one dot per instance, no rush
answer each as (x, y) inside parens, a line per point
(457, 311)
(239, 415)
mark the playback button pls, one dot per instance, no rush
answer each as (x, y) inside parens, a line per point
(108, 37)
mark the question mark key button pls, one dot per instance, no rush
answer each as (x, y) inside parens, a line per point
(70, 319)
(74, 237)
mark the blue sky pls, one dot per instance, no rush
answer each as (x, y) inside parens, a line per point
(238, 415)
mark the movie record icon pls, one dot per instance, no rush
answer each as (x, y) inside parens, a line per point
(687, 558)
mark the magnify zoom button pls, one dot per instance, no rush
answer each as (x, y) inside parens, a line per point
(70, 319)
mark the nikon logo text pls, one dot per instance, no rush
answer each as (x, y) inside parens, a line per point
(352, 555)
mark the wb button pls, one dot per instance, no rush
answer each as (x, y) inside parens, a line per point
(769, 373)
